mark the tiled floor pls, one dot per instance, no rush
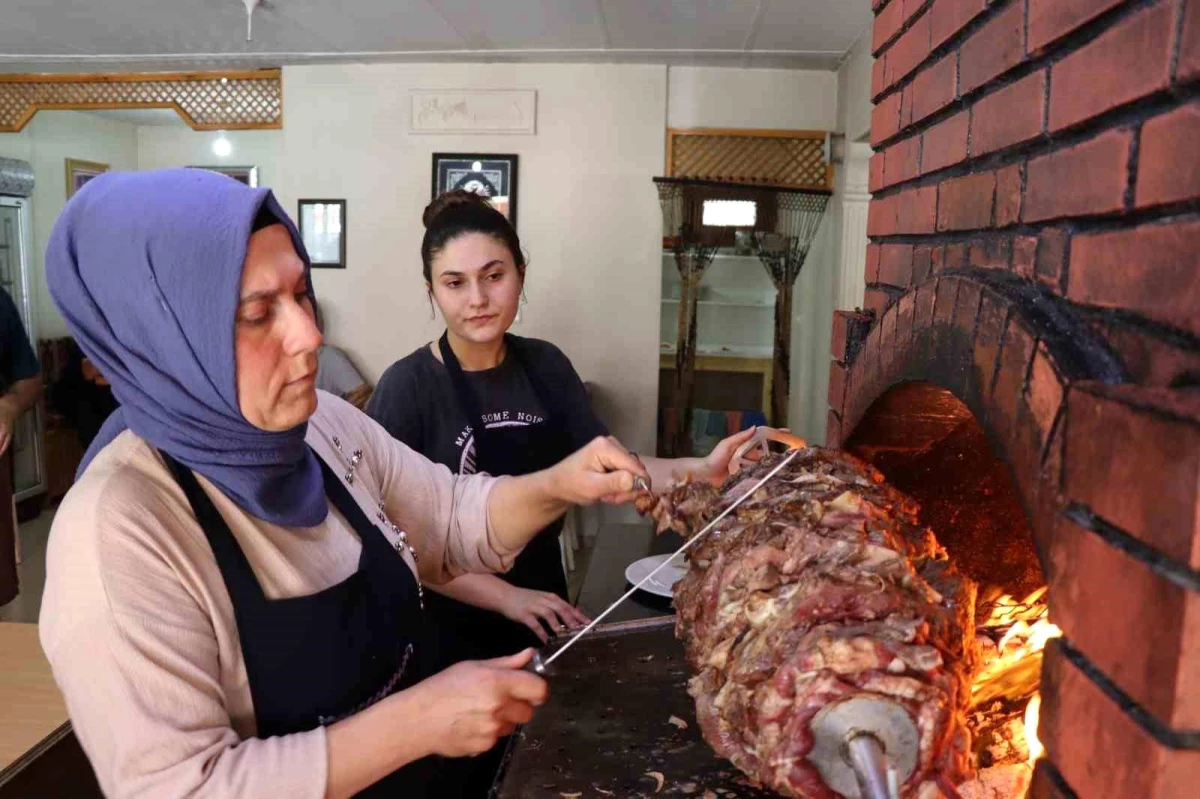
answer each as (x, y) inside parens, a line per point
(32, 570)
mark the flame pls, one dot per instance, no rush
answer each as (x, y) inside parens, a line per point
(1032, 712)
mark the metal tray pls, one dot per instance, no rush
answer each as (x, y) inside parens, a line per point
(607, 725)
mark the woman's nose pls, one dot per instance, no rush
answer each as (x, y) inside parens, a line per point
(303, 334)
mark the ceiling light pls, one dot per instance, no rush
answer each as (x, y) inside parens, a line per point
(222, 147)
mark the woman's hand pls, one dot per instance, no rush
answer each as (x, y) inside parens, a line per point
(531, 608)
(603, 470)
(716, 465)
(471, 705)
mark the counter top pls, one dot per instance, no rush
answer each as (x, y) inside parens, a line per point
(34, 709)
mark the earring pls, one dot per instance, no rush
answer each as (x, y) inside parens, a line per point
(521, 306)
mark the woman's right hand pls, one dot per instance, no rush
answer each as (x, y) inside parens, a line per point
(473, 704)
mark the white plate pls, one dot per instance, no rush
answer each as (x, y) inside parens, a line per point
(662, 583)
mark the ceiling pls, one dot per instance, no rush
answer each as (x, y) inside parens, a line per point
(116, 35)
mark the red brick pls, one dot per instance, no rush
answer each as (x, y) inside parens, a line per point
(1044, 394)
(945, 144)
(1045, 782)
(1129, 61)
(966, 308)
(1140, 468)
(956, 256)
(885, 119)
(1024, 255)
(1082, 727)
(948, 17)
(935, 87)
(909, 50)
(1016, 352)
(904, 320)
(902, 161)
(1149, 361)
(1168, 169)
(994, 49)
(881, 217)
(911, 7)
(923, 311)
(966, 203)
(1089, 178)
(922, 263)
(895, 265)
(1189, 43)
(1009, 116)
(993, 252)
(877, 76)
(840, 340)
(1155, 664)
(1052, 257)
(833, 431)
(916, 210)
(992, 314)
(906, 107)
(875, 4)
(837, 384)
(877, 300)
(887, 345)
(1150, 269)
(873, 263)
(1008, 195)
(875, 176)
(1050, 20)
(887, 25)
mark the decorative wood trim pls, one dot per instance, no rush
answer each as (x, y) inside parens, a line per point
(793, 159)
(235, 100)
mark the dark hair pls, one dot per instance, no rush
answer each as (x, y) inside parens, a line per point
(458, 212)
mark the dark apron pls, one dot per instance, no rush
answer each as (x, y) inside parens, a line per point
(312, 660)
(464, 632)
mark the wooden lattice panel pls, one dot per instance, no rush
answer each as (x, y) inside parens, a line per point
(791, 158)
(205, 100)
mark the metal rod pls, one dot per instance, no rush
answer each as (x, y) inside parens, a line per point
(864, 752)
(674, 555)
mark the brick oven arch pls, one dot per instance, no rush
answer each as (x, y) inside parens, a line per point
(1007, 349)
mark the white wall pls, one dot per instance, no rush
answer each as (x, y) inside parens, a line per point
(47, 141)
(720, 97)
(587, 212)
(163, 147)
(854, 90)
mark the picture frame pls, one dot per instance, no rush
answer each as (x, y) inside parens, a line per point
(322, 226)
(79, 172)
(242, 174)
(492, 174)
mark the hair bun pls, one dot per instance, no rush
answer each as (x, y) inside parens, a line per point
(454, 198)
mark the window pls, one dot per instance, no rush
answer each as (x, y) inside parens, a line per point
(730, 213)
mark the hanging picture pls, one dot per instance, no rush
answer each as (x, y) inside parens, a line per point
(493, 176)
(80, 172)
(323, 231)
(242, 174)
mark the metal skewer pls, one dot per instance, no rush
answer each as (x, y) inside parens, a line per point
(540, 665)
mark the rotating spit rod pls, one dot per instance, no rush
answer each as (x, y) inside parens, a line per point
(864, 745)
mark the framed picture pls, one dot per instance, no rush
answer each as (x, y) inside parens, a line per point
(323, 231)
(80, 172)
(493, 176)
(242, 174)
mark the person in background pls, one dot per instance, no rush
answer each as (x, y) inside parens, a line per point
(483, 400)
(234, 601)
(336, 374)
(20, 389)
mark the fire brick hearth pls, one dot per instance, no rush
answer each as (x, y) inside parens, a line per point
(1027, 364)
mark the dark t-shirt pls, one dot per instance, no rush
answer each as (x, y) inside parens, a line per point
(17, 361)
(416, 403)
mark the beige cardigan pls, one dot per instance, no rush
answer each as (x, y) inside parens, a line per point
(139, 629)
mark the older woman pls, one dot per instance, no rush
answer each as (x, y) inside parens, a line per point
(233, 604)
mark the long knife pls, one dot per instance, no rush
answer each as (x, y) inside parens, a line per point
(539, 665)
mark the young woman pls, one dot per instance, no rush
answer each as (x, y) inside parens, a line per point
(483, 400)
(232, 605)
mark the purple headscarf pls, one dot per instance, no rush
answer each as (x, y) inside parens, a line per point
(146, 267)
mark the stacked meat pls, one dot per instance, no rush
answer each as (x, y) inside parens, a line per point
(818, 589)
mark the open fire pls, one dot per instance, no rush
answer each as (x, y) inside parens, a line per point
(1005, 701)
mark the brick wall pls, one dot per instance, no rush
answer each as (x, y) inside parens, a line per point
(1035, 248)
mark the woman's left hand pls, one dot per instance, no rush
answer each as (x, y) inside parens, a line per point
(533, 608)
(602, 470)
